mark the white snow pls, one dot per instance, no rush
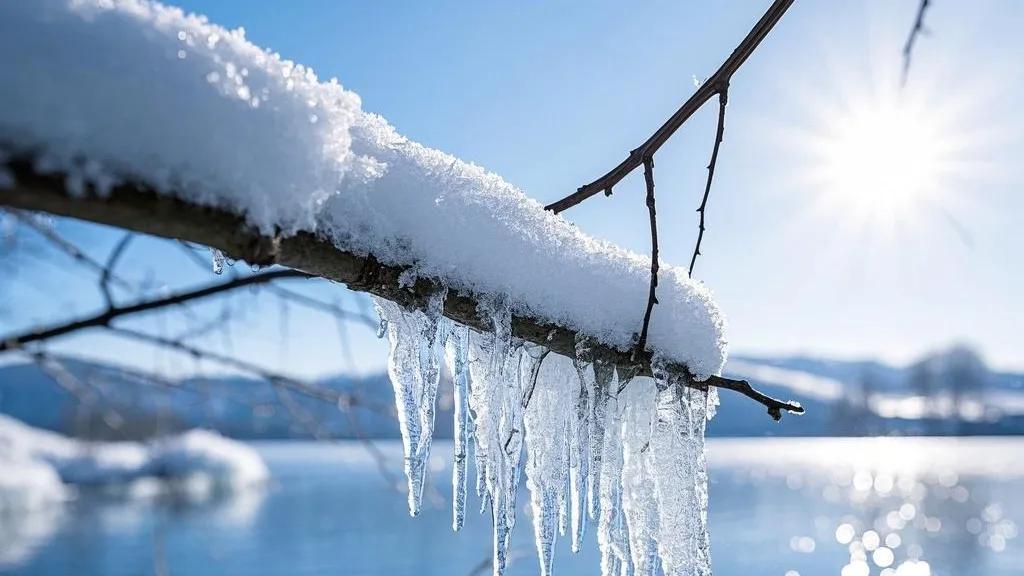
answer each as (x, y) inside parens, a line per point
(115, 90)
(27, 484)
(35, 465)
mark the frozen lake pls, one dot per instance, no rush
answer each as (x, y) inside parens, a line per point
(848, 507)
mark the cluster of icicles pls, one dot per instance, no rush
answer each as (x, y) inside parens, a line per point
(601, 447)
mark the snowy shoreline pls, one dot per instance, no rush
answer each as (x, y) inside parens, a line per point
(39, 468)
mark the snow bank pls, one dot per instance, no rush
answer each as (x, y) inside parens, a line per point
(27, 484)
(112, 90)
(205, 453)
(34, 463)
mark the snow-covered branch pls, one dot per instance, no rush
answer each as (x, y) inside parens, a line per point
(135, 208)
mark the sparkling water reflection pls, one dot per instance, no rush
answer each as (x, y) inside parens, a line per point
(786, 507)
(891, 507)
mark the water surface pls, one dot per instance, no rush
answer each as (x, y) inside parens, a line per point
(849, 507)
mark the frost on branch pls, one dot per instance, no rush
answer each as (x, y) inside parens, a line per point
(600, 445)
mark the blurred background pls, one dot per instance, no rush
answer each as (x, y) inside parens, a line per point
(864, 240)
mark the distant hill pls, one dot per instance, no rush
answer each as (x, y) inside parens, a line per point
(947, 393)
(107, 402)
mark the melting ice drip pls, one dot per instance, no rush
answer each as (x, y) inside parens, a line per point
(600, 445)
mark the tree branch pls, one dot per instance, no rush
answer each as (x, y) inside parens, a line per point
(325, 394)
(108, 268)
(66, 246)
(652, 297)
(775, 407)
(134, 207)
(915, 31)
(723, 99)
(327, 307)
(113, 312)
(705, 92)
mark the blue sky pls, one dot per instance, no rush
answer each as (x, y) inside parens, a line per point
(803, 256)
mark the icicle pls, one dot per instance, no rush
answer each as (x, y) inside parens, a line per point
(457, 357)
(217, 259)
(599, 396)
(579, 457)
(496, 400)
(414, 370)
(547, 459)
(612, 535)
(639, 506)
(713, 402)
(680, 476)
(563, 506)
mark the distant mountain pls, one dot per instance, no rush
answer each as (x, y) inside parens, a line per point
(93, 400)
(947, 393)
(951, 392)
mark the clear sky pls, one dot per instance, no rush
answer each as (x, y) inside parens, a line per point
(848, 218)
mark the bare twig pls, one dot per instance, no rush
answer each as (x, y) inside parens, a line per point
(705, 92)
(775, 407)
(652, 297)
(65, 245)
(915, 31)
(274, 378)
(111, 313)
(531, 386)
(723, 99)
(328, 307)
(86, 394)
(528, 395)
(108, 268)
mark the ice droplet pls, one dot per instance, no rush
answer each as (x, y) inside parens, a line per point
(217, 258)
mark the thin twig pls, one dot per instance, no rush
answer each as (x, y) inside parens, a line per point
(723, 99)
(108, 268)
(330, 308)
(917, 30)
(528, 395)
(104, 318)
(274, 378)
(652, 297)
(534, 371)
(775, 407)
(704, 92)
(64, 245)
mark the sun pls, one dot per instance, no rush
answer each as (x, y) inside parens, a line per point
(882, 159)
